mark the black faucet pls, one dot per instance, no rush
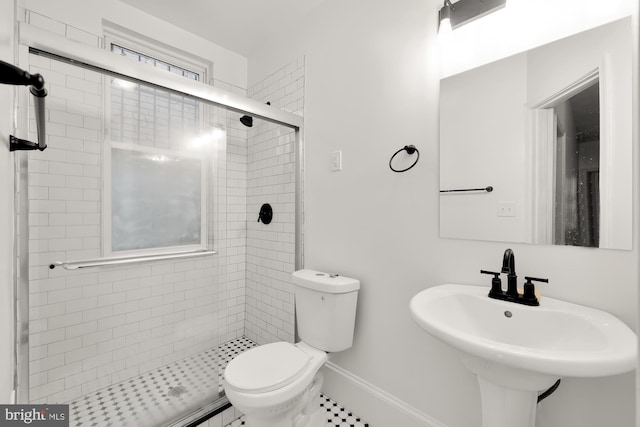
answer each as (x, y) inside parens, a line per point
(528, 297)
(509, 267)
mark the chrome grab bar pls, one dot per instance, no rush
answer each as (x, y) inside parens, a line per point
(99, 262)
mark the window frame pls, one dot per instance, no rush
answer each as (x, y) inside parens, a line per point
(114, 34)
(174, 58)
(108, 188)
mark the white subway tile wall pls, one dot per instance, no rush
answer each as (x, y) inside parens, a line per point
(271, 179)
(233, 223)
(91, 329)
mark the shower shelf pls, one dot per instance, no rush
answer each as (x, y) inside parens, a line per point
(99, 262)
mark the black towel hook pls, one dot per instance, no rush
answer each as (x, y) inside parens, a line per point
(410, 149)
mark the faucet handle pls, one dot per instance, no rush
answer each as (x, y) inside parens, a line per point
(530, 279)
(495, 273)
(496, 283)
(529, 293)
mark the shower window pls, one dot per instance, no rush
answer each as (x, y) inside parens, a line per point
(156, 186)
(156, 199)
(146, 59)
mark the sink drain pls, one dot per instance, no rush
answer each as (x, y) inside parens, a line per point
(508, 314)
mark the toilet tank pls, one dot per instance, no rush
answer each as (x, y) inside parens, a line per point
(325, 309)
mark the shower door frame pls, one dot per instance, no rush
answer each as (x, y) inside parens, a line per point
(58, 47)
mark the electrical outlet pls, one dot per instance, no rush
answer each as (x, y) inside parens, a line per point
(506, 208)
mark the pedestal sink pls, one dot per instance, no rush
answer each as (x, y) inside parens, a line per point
(517, 351)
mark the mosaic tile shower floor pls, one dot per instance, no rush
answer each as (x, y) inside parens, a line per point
(335, 414)
(155, 397)
(152, 398)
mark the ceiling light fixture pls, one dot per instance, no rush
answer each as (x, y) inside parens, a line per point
(444, 17)
(454, 15)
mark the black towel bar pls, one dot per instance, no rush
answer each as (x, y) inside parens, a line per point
(488, 189)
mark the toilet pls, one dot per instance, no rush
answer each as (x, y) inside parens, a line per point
(279, 384)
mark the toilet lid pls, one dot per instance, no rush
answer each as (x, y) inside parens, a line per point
(265, 368)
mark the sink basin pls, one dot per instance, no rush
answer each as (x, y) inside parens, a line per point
(557, 338)
(517, 350)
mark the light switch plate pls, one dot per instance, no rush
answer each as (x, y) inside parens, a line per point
(336, 160)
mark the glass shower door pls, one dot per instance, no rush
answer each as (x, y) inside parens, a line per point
(130, 170)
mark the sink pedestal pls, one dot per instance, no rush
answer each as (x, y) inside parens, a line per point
(509, 395)
(505, 407)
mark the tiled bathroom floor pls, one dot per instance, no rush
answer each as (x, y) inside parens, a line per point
(156, 396)
(335, 414)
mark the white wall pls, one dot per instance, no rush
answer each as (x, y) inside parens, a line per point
(6, 213)
(88, 16)
(371, 87)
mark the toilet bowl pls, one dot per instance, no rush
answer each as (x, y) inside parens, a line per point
(279, 384)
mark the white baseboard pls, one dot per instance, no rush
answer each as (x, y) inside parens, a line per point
(374, 405)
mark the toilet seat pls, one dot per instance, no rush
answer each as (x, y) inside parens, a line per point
(266, 368)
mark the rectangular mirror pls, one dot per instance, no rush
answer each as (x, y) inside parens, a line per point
(537, 147)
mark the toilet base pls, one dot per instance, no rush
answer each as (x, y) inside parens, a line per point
(311, 415)
(306, 413)
(314, 420)
(282, 420)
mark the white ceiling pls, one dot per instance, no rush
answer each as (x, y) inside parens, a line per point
(238, 25)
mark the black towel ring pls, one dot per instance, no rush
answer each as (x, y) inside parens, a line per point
(410, 149)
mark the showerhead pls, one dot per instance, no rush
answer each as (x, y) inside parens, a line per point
(247, 121)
